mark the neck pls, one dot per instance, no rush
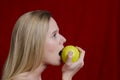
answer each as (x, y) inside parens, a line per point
(38, 71)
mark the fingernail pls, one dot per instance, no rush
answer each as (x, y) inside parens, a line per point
(70, 53)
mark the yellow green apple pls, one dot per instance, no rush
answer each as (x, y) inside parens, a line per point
(67, 49)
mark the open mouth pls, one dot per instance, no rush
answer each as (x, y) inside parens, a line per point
(60, 53)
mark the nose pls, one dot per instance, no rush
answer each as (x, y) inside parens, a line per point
(62, 40)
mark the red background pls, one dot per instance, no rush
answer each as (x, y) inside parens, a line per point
(90, 24)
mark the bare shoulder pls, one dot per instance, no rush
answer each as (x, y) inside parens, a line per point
(19, 78)
(22, 76)
(26, 76)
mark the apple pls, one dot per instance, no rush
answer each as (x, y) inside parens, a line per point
(66, 50)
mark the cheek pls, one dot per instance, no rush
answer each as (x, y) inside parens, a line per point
(50, 53)
(50, 47)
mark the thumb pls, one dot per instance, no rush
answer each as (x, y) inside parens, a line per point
(69, 59)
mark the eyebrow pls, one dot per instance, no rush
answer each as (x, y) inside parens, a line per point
(55, 31)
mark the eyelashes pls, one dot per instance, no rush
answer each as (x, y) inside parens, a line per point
(55, 35)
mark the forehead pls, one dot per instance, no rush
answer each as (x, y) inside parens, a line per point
(52, 25)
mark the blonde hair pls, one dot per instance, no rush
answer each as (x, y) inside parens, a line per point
(27, 43)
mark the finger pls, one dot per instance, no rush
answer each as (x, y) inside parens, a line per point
(69, 59)
(80, 62)
(82, 55)
(80, 49)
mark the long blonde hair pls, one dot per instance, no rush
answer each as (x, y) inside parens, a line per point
(27, 43)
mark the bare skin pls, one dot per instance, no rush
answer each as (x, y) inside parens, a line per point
(54, 44)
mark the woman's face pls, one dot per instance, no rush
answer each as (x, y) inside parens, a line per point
(53, 45)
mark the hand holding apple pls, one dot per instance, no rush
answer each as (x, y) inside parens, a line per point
(73, 49)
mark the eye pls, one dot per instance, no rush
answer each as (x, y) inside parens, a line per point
(55, 35)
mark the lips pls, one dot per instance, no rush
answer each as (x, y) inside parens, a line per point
(61, 51)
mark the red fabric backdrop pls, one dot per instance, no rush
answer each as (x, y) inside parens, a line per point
(90, 24)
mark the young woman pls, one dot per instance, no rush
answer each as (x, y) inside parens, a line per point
(35, 43)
